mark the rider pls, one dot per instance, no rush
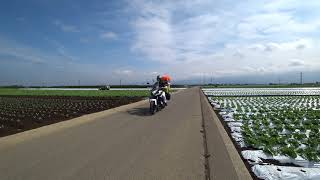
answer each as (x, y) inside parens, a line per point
(164, 84)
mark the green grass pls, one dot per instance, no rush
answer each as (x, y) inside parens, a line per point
(21, 92)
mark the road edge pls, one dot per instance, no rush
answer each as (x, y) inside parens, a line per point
(238, 164)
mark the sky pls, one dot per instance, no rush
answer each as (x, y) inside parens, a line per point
(62, 42)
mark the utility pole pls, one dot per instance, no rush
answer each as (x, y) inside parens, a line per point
(301, 78)
(78, 82)
(120, 81)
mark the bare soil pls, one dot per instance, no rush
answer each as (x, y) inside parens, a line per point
(21, 113)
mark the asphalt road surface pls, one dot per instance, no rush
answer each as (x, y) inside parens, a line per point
(125, 145)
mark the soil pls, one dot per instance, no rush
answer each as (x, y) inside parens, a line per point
(277, 163)
(21, 113)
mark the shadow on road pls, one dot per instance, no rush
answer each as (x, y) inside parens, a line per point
(144, 111)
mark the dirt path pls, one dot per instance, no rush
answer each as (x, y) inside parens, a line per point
(125, 143)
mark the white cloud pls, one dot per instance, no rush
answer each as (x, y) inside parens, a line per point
(124, 72)
(25, 53)
(290, 5)
(61, 50)
(190, 38)
(154, 34)
(22, 52)
(296, 63)
(300, 44)
(109, 35)
(66, 27)
(84, 40)
(163, 40)
(272, 24)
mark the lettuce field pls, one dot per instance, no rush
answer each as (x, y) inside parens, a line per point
(277, 131)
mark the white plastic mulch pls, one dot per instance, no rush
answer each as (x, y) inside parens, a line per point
(256, 156)
(272, 172)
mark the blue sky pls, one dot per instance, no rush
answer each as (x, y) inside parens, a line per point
(60, 42)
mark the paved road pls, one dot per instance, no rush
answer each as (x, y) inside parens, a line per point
(127, 143)
(124, 145)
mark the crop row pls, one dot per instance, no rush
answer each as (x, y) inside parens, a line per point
(278, 125)
(262, 92)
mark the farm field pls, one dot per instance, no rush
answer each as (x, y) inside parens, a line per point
(276, 130)
(96, 89)
(218, 86)
(86, 93)
(21, 113)
(262, 91)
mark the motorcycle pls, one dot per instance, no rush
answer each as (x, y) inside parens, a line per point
(156, 100)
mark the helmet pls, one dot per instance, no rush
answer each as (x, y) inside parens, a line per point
(166, 78)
